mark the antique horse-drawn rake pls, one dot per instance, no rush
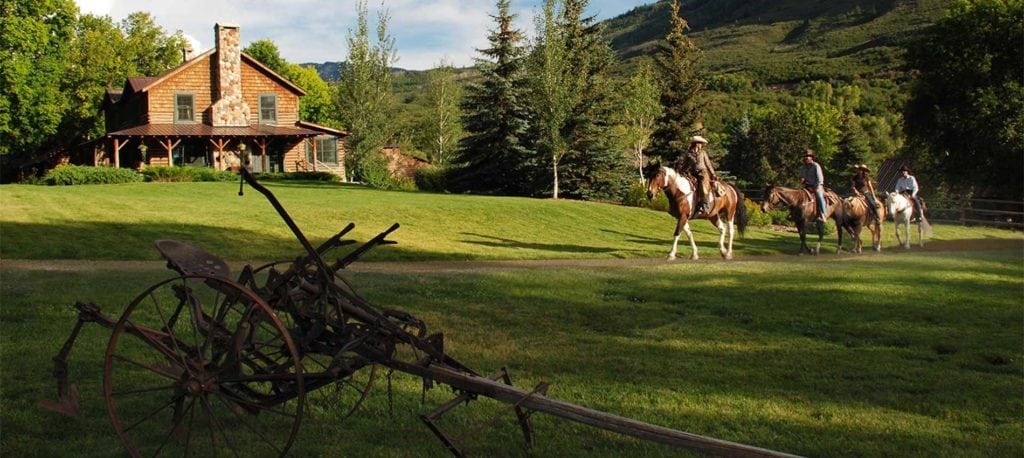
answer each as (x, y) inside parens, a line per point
(203, 364)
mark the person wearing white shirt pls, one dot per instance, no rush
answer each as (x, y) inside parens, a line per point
(907, 185)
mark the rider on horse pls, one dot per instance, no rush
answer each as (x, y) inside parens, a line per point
(862, 187)
(814, 180)
(907, 185)
(696, 163)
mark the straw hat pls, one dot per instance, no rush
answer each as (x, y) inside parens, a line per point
(698, 139)
(863, 167)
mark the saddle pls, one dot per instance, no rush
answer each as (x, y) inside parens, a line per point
(829, 200)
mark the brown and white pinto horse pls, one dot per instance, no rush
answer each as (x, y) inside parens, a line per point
(727, 211)
(855, 216)
(801, 210)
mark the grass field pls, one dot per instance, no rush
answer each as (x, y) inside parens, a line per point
(895, 354)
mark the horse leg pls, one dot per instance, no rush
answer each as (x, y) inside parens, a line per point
(719, 222)
(801, 228)
(675, 240)
(732, 232)
(858, 246)
(920, 233)
(693, 245)
(821, 236)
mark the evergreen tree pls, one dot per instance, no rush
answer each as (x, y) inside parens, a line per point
(594, 167)
(494, 157)
(854, 148)
(677, 62)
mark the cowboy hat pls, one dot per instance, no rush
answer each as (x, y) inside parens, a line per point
(809, 152)
(698, 139)
(862, 167)
(904, 168)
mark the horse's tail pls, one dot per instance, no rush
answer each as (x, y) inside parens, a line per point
(741, 210)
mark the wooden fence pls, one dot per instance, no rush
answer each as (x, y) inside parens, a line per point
(966, 212)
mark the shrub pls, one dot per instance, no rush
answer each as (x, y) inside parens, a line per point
(636, 196)
(299, 176)
(187, 174)
(66, 175)
(756, 217)
(432, 179)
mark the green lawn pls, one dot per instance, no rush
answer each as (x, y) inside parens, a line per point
(122, 221)
(893, 354)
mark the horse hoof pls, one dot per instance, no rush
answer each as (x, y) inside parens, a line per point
(727, 256)
(671, 257)
(694, 257)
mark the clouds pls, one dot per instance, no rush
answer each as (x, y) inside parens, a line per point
(425, 31)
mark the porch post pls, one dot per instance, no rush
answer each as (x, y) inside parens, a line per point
(117, 152)
(315, 160)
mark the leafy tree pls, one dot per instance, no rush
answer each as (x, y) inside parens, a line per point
(494, 157)
(822, 121)
(148, 49)
(640, 109)
(35, 37)
(677, 61)
(556, 87)
(443, 126)
(364, 91)
(966, 112)
(267, 53)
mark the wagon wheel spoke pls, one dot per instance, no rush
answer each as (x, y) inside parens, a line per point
(161, 370)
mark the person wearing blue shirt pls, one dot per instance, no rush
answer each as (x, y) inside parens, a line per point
(814, 179)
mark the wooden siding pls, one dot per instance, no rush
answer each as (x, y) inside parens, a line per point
(256, 83)
(195, 80)
(199, 79)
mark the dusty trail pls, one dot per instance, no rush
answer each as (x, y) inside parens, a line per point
(75, 265)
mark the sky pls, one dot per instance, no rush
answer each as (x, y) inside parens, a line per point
(425, 31)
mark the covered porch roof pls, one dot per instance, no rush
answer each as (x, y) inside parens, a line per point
(204, 130)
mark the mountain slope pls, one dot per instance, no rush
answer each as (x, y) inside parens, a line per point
(784, 40)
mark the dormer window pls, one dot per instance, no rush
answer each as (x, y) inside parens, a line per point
(268, 108)
(184, 108)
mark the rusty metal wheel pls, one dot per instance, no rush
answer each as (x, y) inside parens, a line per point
(200, 366)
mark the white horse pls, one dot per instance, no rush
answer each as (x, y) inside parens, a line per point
(902, 210)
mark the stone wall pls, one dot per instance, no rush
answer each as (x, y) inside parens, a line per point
(230, 108)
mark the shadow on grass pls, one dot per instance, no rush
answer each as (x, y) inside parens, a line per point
(499, 242)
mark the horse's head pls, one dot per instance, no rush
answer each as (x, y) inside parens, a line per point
(655, 175)
(771, 198)
(892, 202)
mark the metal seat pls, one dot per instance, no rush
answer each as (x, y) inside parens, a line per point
(189, 259)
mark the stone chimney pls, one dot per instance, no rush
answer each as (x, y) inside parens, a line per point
(229, 109)
(187, 53)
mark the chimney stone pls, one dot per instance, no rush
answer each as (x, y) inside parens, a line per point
(229, 109)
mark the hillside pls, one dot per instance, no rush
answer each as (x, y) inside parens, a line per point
(784, 40)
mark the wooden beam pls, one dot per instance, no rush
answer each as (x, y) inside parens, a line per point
(314, 152)
(117, 152)
(166, 143)
(220, 143)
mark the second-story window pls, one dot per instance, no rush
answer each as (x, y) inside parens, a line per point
(268, 108)
(184, 108)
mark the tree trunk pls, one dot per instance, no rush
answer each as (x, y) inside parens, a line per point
(554, 170)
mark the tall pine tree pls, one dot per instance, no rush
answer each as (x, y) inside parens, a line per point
(594, 167)
(677, 62)
(494, 155)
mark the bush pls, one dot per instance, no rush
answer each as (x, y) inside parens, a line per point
(636, 196)
(66, 175)
(432, 179)
(299, 176)
(756, 217)
(187, 174)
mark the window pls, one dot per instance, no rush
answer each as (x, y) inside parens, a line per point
(326, 149)
(184, 108)
(268, 108)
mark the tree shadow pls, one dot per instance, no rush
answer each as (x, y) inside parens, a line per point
(499, 242)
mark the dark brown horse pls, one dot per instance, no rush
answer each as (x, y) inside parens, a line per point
(801, 210)
(727, 211)
(855, 216)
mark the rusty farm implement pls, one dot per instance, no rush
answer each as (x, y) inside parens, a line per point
(211, 363)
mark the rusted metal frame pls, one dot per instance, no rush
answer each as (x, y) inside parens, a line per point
(358, 252)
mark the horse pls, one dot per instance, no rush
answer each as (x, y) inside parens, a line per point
(801, 210)
(901, 208)
(727, 211)
(855, 216)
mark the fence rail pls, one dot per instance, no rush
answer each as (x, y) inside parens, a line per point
(965, 212)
